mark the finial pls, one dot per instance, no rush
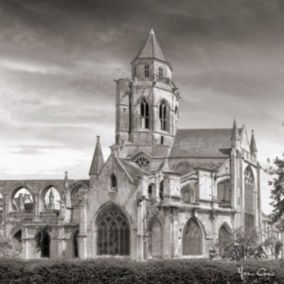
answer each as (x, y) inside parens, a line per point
(66, 175)
(152, 30)
(98, 137)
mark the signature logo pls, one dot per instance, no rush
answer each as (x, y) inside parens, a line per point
(261, 272)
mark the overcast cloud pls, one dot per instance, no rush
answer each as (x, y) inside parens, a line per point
(59, 60)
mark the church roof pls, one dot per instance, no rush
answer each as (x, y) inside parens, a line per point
(198, 143)
(151, 48)
(132, 169)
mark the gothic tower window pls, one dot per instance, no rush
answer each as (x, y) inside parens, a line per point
(224, 240)
(113, 232)
(192, 239)
(249, 193)
(224, 192)
(113, 182)
(156, 239)
(163, 115)
(23, 200)
(161, 75)
(144, 112)
(147, 71)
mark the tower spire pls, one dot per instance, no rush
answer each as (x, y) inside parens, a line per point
(253, 148)
(235, 134)
(151, 48)
(98, 159)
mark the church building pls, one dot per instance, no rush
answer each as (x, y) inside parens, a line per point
(163, 192)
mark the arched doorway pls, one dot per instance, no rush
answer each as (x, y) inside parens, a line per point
(113, 229)
(156, 243)
(192, 238)
(43, 242)
(75, 244)
(224, 239)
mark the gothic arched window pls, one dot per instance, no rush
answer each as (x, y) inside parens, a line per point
(147, 71)
(156, 239)
(188, 193)
(163, 115)
(152, 192)
(249, 193)
(192, 239)
(161, 190)
(52, 199)
(23, 200)
(224, 240)
(224, 192)
(113, 182)
(144, 111)
(113, 232)
(161, 75)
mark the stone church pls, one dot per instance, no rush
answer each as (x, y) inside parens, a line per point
(163, 192)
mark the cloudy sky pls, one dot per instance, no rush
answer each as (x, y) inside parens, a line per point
(59, 60)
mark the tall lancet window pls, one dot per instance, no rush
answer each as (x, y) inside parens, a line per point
(161, 73)
(163, 114)
(144, 111)
(147, 71)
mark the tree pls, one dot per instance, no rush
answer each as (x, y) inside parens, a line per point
(277, 192)
(243, 245)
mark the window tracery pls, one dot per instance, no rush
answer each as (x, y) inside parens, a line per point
(144, 111)
(142, 162)
(113, 233)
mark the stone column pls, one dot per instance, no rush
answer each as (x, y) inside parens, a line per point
(141, 219)
(82, 237)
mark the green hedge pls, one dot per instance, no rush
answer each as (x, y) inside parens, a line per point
(126, 271)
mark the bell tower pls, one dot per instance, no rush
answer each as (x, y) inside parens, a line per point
(147, 104)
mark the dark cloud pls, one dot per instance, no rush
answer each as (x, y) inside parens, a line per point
(59, 59)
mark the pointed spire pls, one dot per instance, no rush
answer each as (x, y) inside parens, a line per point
(98, 159)
(253, 148)
(151, 48)
(235, 134)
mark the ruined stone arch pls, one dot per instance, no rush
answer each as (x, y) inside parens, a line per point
(43, 242)
(51, 197)
(77, 193)
(22, 199)
(113, 231)
(193, 238)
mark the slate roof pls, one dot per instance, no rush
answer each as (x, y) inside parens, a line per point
(151, 48)
(202, 143)
(133, 170)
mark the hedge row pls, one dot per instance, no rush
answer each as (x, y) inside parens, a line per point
(126, 271)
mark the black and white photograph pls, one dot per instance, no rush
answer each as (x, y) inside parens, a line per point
(142, 141)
